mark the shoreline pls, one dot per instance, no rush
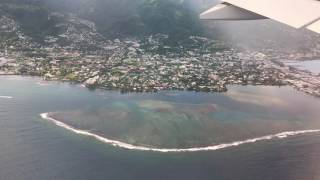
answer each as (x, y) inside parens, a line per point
(128, 146)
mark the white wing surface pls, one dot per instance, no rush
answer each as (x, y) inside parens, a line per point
(315, 27)
(295, 13)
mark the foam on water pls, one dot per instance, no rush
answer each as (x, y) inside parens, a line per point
(43, 83)
(6, 97)
(196, 149)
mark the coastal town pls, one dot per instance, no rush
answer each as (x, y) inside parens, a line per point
(80, 54)
(127, 66)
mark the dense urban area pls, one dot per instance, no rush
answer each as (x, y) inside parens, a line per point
(125, 66)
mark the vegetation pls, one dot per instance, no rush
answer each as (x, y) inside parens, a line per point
(113, 18)
(33, 17)
(171, 17)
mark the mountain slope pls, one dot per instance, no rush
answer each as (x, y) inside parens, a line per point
(113, 18)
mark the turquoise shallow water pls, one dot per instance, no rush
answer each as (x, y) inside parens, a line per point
(33, 148)
(189, 120)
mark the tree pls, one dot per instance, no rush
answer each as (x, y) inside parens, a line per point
(32, 16)
(172, 17)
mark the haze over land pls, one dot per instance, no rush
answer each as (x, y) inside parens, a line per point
(234, 100)
(40, 19)
(149, 45)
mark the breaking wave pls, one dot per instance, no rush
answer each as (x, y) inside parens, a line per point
(208, 148)
(6, 97)
(43, 83)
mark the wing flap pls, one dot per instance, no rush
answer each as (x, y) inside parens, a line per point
(296, 13)
(225, 11)
(315, 27)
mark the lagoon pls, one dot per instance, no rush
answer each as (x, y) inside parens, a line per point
(34, 148)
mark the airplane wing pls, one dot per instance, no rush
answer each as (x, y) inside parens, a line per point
(295, 13)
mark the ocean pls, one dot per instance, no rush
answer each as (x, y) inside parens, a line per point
(312, 66)
(255, 132)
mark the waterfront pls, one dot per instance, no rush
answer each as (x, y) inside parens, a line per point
(33, 148)
(127, 67)
(312, 66)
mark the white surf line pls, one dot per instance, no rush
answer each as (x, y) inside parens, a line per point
(208, 148)
(40, 83)
(6, 97)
